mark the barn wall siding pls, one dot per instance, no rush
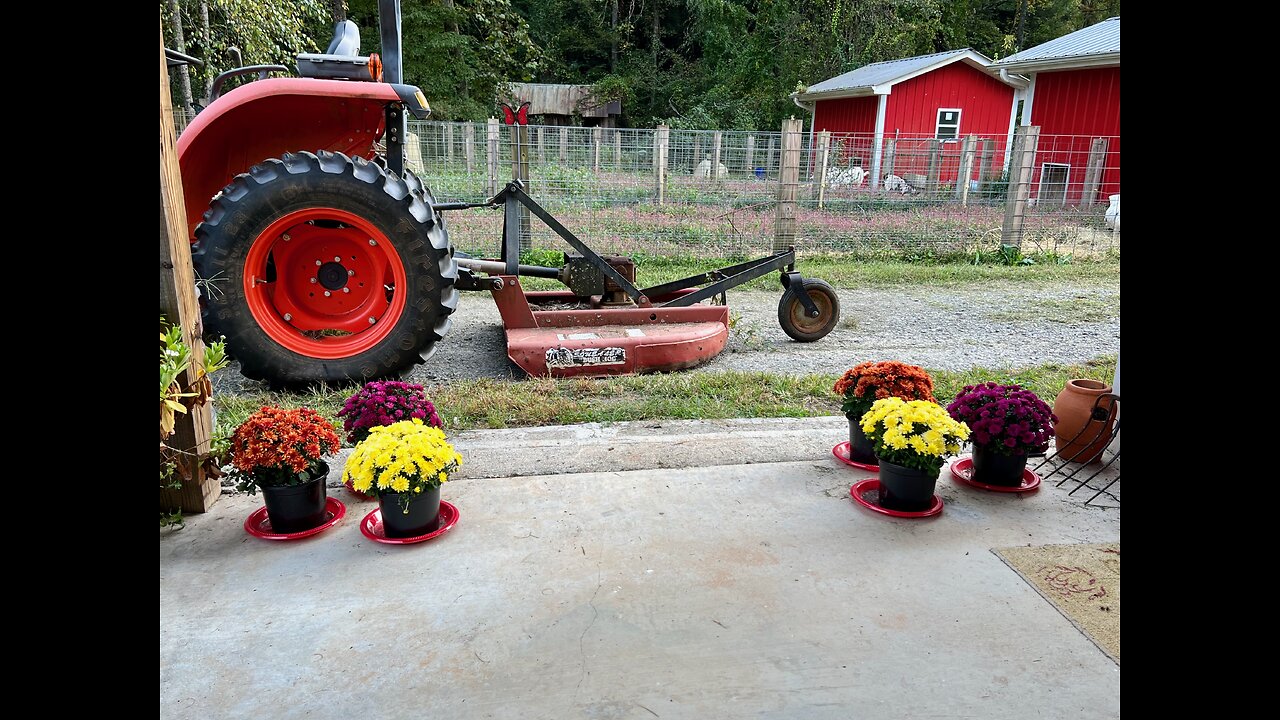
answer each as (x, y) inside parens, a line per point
(1072, 107)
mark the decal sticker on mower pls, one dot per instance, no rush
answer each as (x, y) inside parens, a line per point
(563, 357)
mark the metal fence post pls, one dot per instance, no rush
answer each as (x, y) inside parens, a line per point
(966, 168)
(660, 140)
(617, 149)
(542, 154)
(788, 181)
(1025, 141)
(448, 143)
(469, 145)
(773, 154)
(1093, 171)
(824, 151)
(596, 133)
(564, 145)
(491, 157)
(749, 165)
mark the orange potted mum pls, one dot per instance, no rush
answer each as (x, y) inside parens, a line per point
(280, 452)
(863, 384)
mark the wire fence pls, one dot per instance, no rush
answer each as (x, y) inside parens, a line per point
(717, 193)
(719, 190)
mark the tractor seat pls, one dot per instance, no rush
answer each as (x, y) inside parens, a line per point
(346, 40)
(342, 60)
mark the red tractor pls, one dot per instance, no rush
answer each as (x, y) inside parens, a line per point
(325, 259)
(323, 256)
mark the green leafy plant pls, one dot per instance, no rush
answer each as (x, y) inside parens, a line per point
(184, 385)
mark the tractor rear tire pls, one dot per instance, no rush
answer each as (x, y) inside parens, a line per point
(798, 325)
(321, 268)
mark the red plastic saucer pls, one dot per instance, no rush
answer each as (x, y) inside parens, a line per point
(962, 471)
(259, 525)
(358, 495)
(871, 486)
(841, 452)
(371, 526)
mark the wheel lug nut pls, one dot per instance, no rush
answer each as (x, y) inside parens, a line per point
(318, 263)
(313, 281)
(372, 241)
(337, 259)
(372, 321)
(351, 273)
(288, 317)
(346, 290)
(327, 293)
(286, 237)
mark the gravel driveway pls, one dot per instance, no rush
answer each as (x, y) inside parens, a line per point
(944, 328)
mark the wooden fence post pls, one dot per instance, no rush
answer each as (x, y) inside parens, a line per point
(715, 156)
(660, 140)
(595, 148)
(966, 168)
(749, 163)
(824, 152)
(491, 156)
(788, 182)
(1025, 141)
(890, 157)
(469, 145)
(932, 178)
(1093, 171)
(986, 161)
(520, 171)
(178, 304)
(564, 145)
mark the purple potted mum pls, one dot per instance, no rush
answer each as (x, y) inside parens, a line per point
(380, 403)
(385, 402)
(1007, 423)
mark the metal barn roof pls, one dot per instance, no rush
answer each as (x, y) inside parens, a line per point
(877, 78)
(1095, 45)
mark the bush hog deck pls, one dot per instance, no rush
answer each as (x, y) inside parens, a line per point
(325, 260)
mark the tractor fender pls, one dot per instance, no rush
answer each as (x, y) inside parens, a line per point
(268, 118)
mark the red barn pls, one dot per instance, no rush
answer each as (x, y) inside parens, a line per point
(1074, 97)
(943, 96)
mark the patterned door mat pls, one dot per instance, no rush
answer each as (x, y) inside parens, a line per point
(1082, 581)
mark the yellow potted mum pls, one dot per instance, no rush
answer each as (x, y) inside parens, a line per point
(404, 464)
(912, 439)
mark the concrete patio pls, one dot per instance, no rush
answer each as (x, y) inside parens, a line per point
(688, 570)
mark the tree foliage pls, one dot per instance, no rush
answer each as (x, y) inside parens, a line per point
(693, 63)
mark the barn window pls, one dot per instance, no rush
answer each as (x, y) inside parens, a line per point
(948, 124)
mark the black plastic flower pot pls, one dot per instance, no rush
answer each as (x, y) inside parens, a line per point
(423, 514)
(992, 468)
(906, 489)
(294, 508)
(860, 447)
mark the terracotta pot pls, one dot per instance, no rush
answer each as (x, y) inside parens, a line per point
(1083, 430)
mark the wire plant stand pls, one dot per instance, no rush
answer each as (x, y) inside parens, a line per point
(1075, 468)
